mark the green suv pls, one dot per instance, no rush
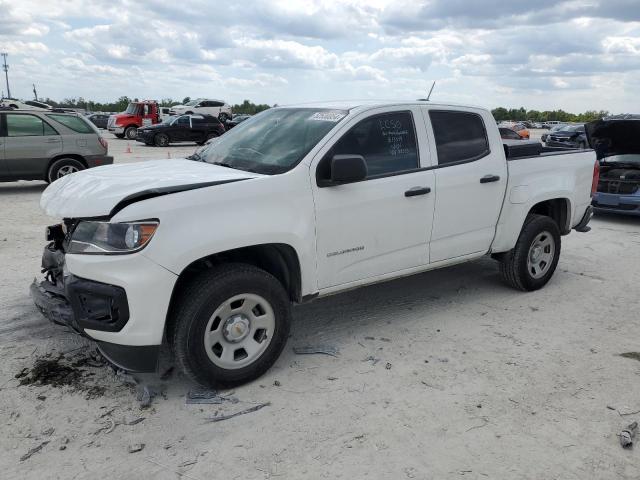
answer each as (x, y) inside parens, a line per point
(47, 145)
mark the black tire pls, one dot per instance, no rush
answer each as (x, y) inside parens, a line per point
(514, 264)
(199, 300)
(161, 140)
(131, 132)
(223, 117)
(62, 167)
(119, 135)
(188, 113)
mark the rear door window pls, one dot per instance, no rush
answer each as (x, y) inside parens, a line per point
(27, 126)
(460, 136)
(387, 142)
(72, 122)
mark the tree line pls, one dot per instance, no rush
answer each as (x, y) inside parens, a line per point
(119, 105)
(520, 114)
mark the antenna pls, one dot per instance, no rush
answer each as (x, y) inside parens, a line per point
(5, 67)
(35, 93)
(430, 91)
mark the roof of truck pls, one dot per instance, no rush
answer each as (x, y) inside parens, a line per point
(353, 104)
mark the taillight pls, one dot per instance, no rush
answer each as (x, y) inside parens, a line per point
(596, 177)
(104, 143)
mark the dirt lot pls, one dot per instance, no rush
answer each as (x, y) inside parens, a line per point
(447, 374)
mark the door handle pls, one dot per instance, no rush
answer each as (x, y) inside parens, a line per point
(490, 178)
(415, 191)
(53, 140)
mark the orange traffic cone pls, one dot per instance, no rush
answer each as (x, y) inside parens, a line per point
(128, 150)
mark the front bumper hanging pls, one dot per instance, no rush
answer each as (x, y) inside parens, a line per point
(83, 304)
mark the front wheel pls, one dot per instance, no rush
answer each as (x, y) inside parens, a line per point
(531, 263)
(161, 140)
(131, 133)
(230, 325)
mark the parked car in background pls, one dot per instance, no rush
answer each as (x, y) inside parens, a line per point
(568, 136)
(217, 108)
(552, 123)
(305, 202)
(44, 145)
(555, 128)
(509, 134)
(137, 114)
(229, 124)
(615, 140)
(185, 128)
(100, 120)
(26, 105)
(517, 127)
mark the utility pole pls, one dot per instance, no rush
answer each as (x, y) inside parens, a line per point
(5, 67)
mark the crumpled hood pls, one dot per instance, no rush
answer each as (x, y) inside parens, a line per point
(614, 137)
(102, 191)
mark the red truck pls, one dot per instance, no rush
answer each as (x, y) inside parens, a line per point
(137, 114)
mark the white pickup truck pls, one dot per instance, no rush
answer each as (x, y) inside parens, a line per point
(295, 203)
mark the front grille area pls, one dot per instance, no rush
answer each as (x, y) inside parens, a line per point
(619, 187)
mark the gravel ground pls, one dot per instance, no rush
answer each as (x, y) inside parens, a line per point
(446, 374)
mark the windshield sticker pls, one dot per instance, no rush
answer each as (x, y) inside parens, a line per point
(328, 116)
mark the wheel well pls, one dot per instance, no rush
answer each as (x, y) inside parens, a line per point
(80, 158)
(558, 209)
(279, 259)
(131, 125)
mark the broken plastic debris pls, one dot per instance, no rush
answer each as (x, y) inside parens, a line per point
(321, 349)
(237, 414)
(208, 397)
(203, 396)
(628, 434)
(136, 447)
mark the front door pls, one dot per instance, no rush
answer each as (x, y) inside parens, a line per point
(471, 177)
(29, 145)
(380, 225)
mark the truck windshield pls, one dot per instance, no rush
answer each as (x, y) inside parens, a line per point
(273, 141)
(133, 109)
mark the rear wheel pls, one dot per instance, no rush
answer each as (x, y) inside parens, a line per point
(161, 140)
(223, 117)
(230, 325)
(532, 262)
(63, 167)
(131, 132)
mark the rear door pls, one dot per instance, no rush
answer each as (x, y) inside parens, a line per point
(380, 225)
(471, 179)
(29, 145)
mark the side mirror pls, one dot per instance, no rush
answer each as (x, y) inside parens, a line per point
(348, 168)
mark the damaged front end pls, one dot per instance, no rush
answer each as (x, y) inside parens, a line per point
(75, 302)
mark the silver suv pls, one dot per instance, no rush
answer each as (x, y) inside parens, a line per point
(46, 145)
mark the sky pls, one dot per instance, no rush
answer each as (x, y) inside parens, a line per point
(544, 54)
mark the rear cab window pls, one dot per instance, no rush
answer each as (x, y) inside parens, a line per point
(387, 142)
(74, 123)
(460, 137)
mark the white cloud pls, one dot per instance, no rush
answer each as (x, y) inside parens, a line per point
(547, 54)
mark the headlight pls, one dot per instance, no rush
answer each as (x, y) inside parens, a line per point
(111, 238)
